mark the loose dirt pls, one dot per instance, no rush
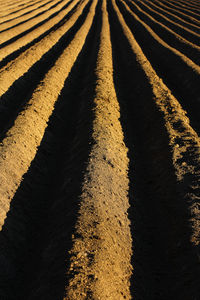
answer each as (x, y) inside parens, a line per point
(99, 149)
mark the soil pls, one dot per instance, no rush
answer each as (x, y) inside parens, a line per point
(99, 149)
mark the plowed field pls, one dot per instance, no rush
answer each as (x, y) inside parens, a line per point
(100, 149)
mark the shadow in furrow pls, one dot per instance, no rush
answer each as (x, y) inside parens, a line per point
(37, 15)
(26, 13)
(181, 79)
(36, 237)
(174, 41)
(2, 45)
(15, 99)
(188, 7)
(181, 10)
(16, 53)
(171, 21)
(184, 16)
(11, 13)
(164, 261)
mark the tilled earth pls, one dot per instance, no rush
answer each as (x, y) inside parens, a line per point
(99, 149)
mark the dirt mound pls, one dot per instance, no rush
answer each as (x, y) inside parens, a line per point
(100, 149)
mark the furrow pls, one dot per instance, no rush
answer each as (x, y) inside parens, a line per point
(99, 149)
(21, 29)
(10, 23)
(196, 3)
(181, 9)
(2, 3)
(165, 156)
(189, 31)
(178, 125)
(20, 13)
(15, 3)
(178, 13)
(19, 147)
(23, 87)
(169, 64)
(18, 67)
(178, 42)
(187, 5)
(36, 34)
(53, 253)
(9, 11)
(19, 3)
(100, 256)
(65, 144)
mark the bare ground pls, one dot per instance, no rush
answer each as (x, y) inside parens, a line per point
(100, 149)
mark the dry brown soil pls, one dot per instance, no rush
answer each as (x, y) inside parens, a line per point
(99, 149)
